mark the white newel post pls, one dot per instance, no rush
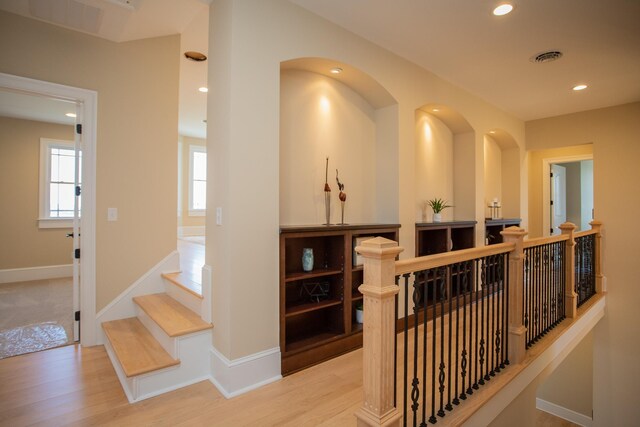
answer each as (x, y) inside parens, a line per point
(517, 330)
(597, 227)
(379, 290)
(570, 295)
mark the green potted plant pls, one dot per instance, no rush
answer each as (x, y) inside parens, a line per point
(437, 205)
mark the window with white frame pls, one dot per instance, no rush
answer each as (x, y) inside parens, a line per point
(197, 180)
(57, 183)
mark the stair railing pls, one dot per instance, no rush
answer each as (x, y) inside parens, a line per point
(467, 315)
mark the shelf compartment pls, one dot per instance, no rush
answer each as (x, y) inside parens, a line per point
(312, 306)
(302, 275)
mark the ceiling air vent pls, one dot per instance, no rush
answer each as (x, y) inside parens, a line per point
(549, 56)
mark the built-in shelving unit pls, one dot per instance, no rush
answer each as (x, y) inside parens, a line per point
(493, 227)
(317, 307)
(438, 237)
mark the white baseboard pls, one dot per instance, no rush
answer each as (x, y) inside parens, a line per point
(35, 273)
(150, 283)
(564, 413)
(192, 230)
(236, 377)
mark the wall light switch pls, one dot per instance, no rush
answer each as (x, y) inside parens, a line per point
(218, 216)
(112, 214)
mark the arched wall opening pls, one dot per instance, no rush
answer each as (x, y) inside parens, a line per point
(501, 174)
(352, 120)
(445, 163)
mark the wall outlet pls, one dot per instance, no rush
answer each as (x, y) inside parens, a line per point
(218, 216)
(112, 214)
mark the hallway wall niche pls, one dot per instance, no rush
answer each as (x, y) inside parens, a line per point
(352, 120)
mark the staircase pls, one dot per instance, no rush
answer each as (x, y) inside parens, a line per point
(165, 346)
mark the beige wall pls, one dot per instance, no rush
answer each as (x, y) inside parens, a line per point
(184, 219)
(536, 157)
(433, 166)
(614, 133)
(322, 117)
(24, 244)
(137, 86)
(244, 135)
(577, 394)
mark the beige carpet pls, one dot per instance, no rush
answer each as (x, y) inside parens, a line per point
(37, 302)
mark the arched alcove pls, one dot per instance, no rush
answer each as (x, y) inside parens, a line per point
(351, 119)
(445, 162)
(501, 173)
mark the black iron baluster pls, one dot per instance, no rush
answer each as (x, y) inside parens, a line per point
(406, 347)
(443, 274)
(496, 366)
(478, 290)
(451, 276)
(468, 288)
(415, 390)
(432, 418)
(424, 352)
(460, 275)
(506, 322)
(483, 286)
(395, 347)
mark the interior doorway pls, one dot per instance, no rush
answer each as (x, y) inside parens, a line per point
(58, 189)
(569, 193)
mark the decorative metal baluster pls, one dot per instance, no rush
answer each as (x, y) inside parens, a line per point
(442, 276)
(492, 305)
(483, 287)
(467, 356)
(525, 299)
(459, 276)
(424, 353)
(406, 345)
(500, 293)
(451, 275)
(395, 349)
(506, 321)
(478, 290)
(432, 418)
(464, 361)
(415, 383)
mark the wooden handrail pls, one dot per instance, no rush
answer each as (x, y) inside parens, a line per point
(538, 241)
(439, 260)
(585, 233)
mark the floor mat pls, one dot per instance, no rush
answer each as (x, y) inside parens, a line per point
(30, 338)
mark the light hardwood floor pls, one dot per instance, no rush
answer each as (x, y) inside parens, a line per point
(78, 386)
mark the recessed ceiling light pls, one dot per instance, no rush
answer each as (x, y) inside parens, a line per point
(70, 114)
(492, 132)
(203, 89)
(336, 70)
(579, 87)
(503, 9)
(195, 56)
(435, 110)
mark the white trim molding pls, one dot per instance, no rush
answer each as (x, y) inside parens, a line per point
(235, 377)
(191, 230)
(564, 413)
(35, 273)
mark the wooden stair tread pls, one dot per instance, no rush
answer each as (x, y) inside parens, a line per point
(174, 318)
(186, 282)
(135, 347)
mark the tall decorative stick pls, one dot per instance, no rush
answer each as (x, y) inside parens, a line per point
(342, 196)
(327, 193)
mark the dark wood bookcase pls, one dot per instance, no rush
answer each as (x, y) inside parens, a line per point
(493, 227)
(438, 237)
(318, 307)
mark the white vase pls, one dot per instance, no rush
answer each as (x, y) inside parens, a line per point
(359, 316)
(437, 217)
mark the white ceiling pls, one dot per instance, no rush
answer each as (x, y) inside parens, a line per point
(462, 42)
(459, 40)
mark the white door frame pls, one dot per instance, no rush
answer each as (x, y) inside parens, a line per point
(546, 185)
(88, 104)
